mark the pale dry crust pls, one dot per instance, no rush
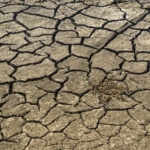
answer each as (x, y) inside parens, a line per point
(48, 49)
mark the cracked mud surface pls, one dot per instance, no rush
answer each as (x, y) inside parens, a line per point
(48, 49)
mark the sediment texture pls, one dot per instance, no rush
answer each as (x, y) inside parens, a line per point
(48, 49)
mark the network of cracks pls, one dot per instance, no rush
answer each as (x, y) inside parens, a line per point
(62, 64)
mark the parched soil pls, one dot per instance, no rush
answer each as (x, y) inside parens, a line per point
(56, 59)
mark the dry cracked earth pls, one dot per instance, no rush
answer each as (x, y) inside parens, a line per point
(48, 49)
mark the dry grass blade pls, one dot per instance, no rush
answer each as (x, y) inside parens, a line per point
(107, 89)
